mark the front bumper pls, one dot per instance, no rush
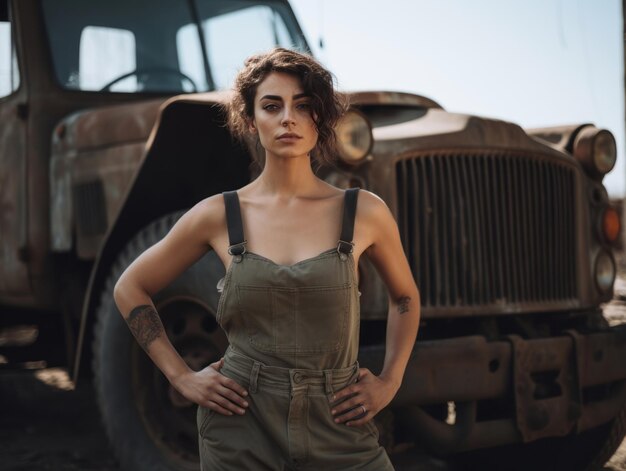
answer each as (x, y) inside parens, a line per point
(554, 386)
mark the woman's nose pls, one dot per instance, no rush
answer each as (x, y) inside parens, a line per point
(287, 117)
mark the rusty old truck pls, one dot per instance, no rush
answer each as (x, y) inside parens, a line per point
(110, 128)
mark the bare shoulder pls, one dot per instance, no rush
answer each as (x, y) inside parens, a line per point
(195, 232)
(375, 220)
(371, 208)
(207, 218)
(211, 209)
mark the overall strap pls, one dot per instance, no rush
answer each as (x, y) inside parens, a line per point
(347, 228)
(235, 225)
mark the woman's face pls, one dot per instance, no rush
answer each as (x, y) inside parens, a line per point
(282, 116)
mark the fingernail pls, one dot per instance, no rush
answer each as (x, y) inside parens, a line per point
(245, 403)
(334, 397)
(241, 411)
(333, 411)
(245, 393)
(336, 421)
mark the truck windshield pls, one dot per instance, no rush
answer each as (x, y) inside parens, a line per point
(164, 46)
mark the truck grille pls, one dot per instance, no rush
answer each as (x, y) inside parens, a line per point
(90, 208)
(490, 227)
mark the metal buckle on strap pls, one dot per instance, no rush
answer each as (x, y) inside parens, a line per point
(348, 246)
(240, 244)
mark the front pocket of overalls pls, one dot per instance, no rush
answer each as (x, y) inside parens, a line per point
(297, 321)
(369, 426)
(203, 419)
(373, 429)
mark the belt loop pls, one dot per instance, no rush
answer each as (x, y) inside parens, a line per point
(328, 386)
(254, 376)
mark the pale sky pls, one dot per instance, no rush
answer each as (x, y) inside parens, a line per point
(534, 62)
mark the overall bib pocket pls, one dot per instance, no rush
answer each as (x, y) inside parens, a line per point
(297, 321)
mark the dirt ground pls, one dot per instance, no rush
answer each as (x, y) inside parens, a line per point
(44, 425)
(47, 427)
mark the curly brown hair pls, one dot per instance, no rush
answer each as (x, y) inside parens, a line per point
(327, 105)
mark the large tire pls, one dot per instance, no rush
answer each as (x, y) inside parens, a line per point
(614, 438)
(150, 425)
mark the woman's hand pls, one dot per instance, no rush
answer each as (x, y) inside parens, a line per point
(209, 388)
(362, 400)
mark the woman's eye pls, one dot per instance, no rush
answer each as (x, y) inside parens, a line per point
(305, 106)
(270, 107)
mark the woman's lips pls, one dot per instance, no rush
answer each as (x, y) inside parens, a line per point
(289, 137)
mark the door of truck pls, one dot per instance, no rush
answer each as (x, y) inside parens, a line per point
(14, 280)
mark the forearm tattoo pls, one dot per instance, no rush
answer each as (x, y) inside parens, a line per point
(403, 304)
(145, 324)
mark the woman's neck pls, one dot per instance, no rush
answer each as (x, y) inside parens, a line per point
(286, 178)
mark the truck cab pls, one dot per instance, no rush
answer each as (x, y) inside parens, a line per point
(112, 126)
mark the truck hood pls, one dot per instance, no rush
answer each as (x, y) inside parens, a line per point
(407, 119)
(405, 130)
(133, 122)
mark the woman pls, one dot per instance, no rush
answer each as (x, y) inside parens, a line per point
(289, 393)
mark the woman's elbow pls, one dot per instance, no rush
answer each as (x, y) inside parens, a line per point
(117, 293)
(120, 293)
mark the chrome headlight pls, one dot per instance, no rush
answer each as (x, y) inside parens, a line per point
(354, 137)
(604, 151)
(596, 150)
(605, 271)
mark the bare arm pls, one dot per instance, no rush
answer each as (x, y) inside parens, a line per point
(152, 271)
(387, 255)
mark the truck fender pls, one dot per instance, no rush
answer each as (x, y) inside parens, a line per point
(189, 156)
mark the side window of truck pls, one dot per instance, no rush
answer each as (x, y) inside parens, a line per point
(9, 73)
(105, 54)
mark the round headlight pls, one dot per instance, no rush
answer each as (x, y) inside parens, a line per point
(604, 151)
(595, 149)
(605, 271)
(354, 137)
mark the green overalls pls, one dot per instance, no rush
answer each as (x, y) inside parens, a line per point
(294, 337)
